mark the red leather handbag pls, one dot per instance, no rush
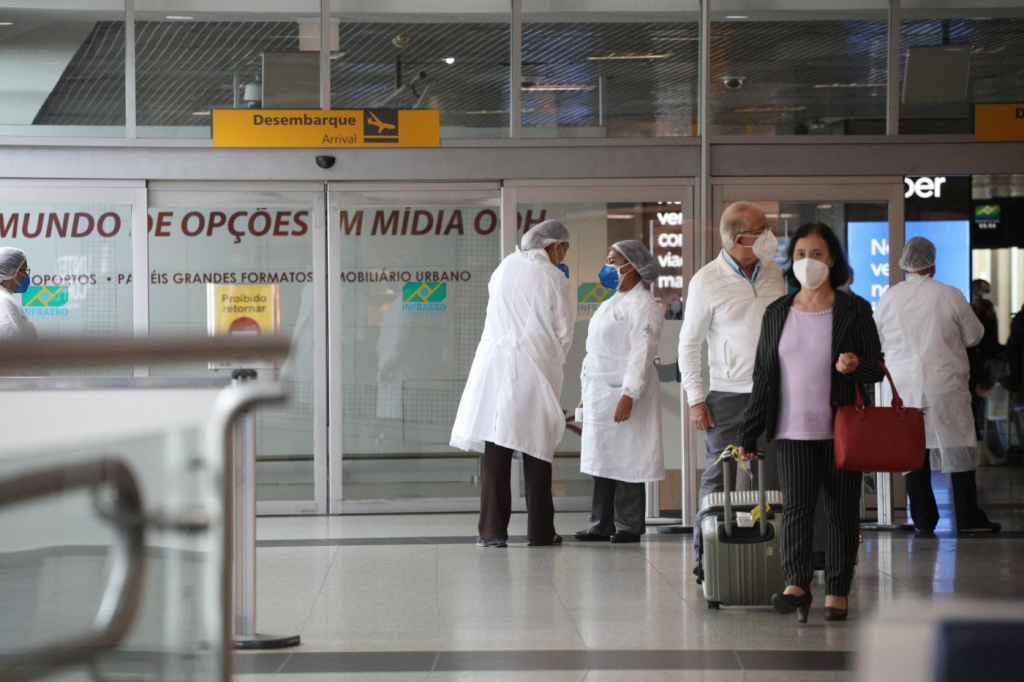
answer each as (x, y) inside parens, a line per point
(880, 438)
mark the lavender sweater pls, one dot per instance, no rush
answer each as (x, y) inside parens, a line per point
(805, 369)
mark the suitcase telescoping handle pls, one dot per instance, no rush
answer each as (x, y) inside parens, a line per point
(762, 502)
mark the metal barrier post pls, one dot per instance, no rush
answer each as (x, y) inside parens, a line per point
(243, 471)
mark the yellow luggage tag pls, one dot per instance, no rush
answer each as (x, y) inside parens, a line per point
(732, 452)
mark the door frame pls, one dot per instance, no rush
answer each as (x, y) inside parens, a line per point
(846, 189)
(218, 195)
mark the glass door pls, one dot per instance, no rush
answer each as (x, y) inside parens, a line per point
(867, 216)
(248, 258)
(598, 214)
(408, 271)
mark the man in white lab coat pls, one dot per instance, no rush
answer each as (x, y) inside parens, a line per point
(725, 302)
(926, 328)
(511, 402)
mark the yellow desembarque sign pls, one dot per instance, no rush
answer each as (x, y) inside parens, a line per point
(350, 128)
(242, 310)
(999, 122)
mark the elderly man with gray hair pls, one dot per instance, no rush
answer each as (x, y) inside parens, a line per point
(725, 302)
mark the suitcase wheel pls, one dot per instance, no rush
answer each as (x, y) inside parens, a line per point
(714, 604)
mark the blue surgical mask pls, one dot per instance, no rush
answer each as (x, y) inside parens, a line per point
(610, 277)
(564, 268)
(22, 285)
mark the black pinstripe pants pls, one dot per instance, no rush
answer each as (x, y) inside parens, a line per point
(805, 467)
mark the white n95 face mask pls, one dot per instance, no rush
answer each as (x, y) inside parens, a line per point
(765, 245)
(810, 273)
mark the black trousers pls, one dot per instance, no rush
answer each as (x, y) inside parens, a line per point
(805, 468)
(618, 505)
(496, 496)
(925, 512)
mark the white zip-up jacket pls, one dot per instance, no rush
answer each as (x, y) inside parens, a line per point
(723, 309)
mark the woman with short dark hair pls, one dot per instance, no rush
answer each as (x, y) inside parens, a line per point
(815, 346)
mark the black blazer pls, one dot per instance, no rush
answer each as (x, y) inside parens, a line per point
(853, 331)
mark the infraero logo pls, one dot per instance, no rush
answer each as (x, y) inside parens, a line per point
(45, 301)
(424, 297)
(45, 297)
(593, 293)
(380, 125)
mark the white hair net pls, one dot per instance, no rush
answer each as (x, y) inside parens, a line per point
(637, 255)
(545, 233)
(918, 255)
(11, 260)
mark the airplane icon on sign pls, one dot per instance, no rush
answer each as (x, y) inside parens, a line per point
(379, 124)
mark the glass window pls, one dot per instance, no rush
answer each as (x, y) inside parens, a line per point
(62, 72)
(414, 274)
(954, 55)
(798, 72)
(610, 71)
(80, 257)
(190, 62)
(238, 263)
(452, 56)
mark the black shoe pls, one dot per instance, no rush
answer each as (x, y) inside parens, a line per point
(497, 542)
(557, 540)
(624, 536)
(993, 527)
(590, 536)
(788, 603)
(833, 613)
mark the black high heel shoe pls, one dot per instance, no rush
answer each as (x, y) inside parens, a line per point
(788, 603)
(833, 613)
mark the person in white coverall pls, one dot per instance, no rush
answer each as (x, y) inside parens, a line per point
(622, 447)
(14, 279)
(512, 398)
(926, 328)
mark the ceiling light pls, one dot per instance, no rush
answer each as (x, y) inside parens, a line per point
(620, 216)
(850, 85)
(6, 23)
(200, 113)
(337, 55)
(627, 56)
(766, 109)
(558, 88)
(175, 17)
(737, 16)
(449, 60)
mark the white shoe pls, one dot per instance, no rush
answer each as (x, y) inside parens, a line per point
(986, 458)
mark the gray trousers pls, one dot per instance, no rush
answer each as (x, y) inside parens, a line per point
(618, 506)
(727, 411)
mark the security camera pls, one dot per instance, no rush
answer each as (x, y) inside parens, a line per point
(733, 82)
(325, 162)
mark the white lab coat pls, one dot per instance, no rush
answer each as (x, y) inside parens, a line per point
(926, 328)
(512, 395)
(14, 324)
(621, 344)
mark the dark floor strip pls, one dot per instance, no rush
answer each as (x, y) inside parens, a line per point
(466, 661)
(515, 540)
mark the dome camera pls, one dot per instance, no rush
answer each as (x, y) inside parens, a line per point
(325, 162)
(733, 82)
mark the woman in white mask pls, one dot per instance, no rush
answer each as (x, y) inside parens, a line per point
(621, 405)
(815, 346)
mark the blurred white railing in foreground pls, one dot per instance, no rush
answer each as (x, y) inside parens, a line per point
(115, 558)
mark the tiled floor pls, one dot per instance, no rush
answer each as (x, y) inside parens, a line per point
(417, 589)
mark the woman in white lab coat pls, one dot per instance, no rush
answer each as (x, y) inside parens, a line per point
(14, 279)
(926, 328)
(511, 402)
(622, 447)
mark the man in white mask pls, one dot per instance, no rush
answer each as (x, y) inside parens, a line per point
(724, 305)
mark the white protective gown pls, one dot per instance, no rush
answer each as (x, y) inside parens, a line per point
(926, 328)
(621, 345)
(512, 395)
(14, 324)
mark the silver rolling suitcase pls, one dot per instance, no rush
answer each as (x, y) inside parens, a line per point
(740, 566)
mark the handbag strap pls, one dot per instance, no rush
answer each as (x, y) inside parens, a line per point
(897, 402)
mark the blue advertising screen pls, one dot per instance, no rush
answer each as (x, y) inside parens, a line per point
(867, 246)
